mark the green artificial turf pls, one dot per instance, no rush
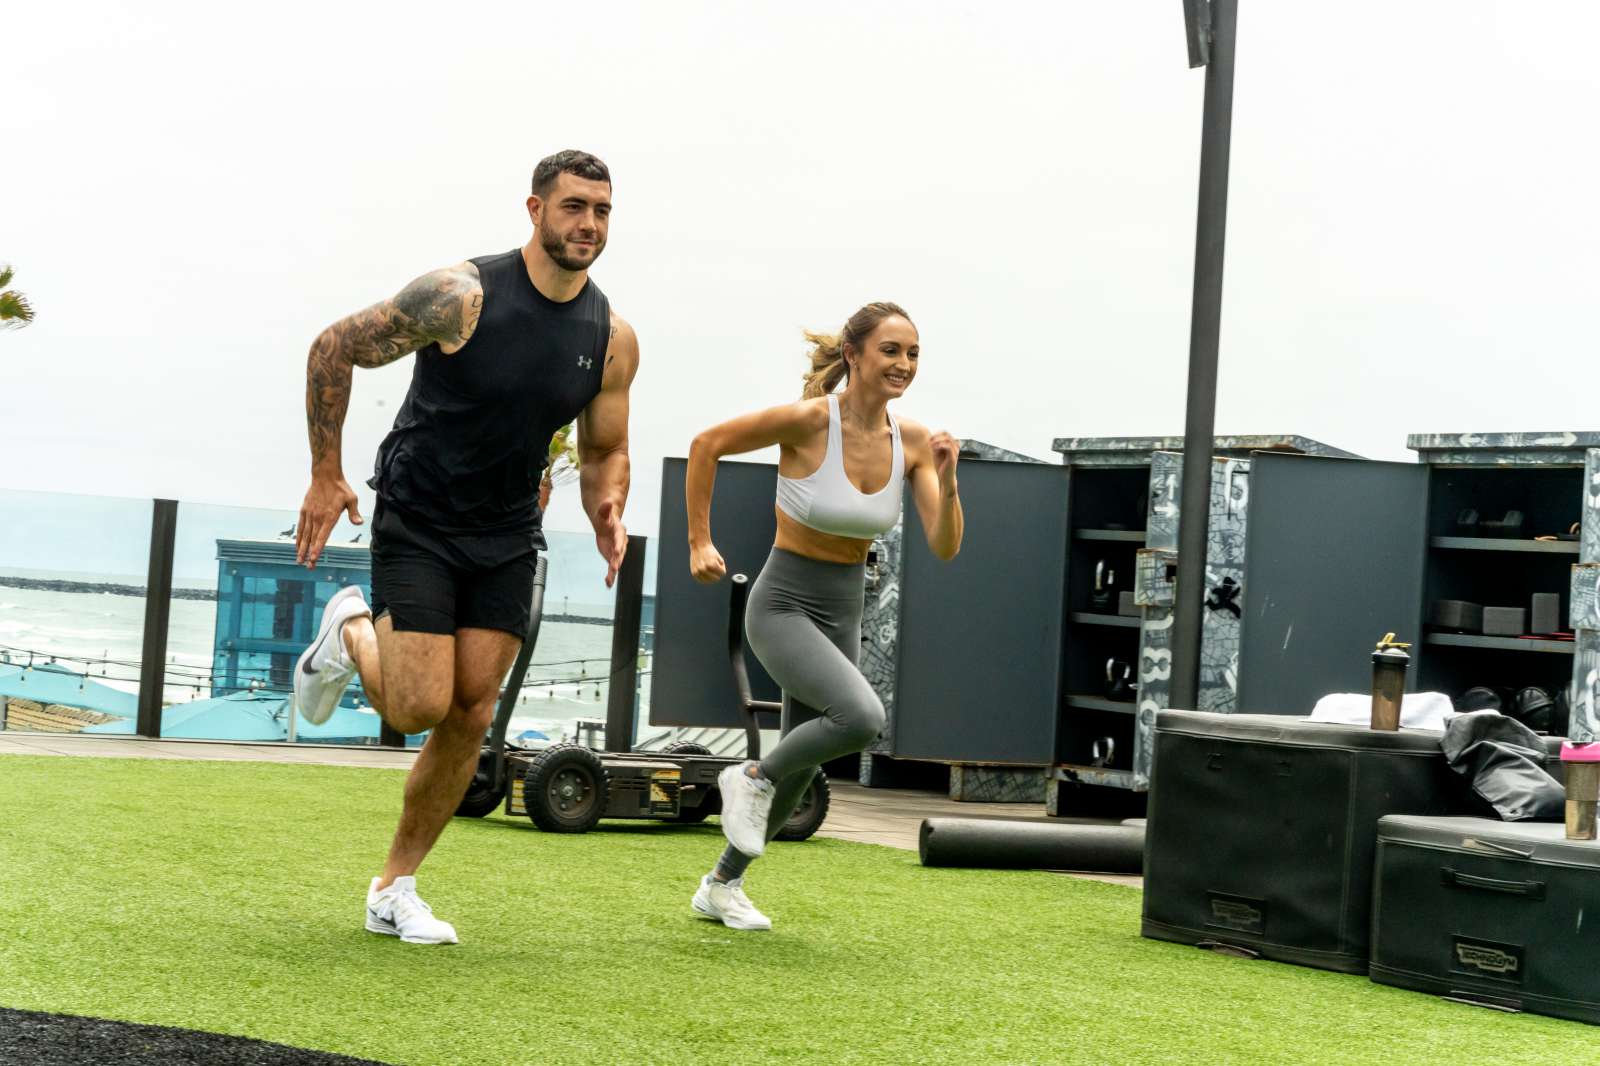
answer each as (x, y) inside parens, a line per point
(229, 896)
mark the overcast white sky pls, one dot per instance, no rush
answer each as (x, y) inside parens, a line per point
(189, 192)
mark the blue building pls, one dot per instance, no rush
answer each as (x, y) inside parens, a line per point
(268, 609)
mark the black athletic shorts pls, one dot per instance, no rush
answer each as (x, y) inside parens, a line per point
(431, 582)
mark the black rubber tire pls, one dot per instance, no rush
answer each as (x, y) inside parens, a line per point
(809, 813)
(712, 804)
(564, 789)
(480, 798)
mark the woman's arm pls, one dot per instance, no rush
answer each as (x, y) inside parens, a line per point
(931, 458)
(790, 425)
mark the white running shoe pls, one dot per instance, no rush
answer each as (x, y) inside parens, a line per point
(746, 803)
(726, 902)
(325, 668)
(399, 911)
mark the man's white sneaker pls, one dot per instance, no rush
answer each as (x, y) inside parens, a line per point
(746, 803)
(399, 911)
(726, 902)
(325, 668)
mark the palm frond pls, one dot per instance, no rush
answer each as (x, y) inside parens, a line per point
(15, 311)
(563, 446)
(7, 272)
(561, 467)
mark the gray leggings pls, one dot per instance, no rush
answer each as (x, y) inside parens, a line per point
(803, 621)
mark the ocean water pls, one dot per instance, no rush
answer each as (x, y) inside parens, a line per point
(102, 634)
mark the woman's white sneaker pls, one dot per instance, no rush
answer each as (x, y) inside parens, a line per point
(399, 911)
(746, 804)
(325, 668)
(726, 902)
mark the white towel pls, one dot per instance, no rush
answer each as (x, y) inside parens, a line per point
(1418, 710)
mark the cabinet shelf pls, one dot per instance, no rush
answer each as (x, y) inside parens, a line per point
(1472, 640)
(1491, 544)
(1100, 703)
(1089, 618)
(1128, 536)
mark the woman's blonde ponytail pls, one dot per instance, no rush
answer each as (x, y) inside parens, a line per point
(827, 365)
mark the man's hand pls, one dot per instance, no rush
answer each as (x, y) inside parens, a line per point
(706, 564)
(946, 453)
(611, 538)
(326, 499)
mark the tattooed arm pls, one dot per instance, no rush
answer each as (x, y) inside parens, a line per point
(441, 307)
(603, 472)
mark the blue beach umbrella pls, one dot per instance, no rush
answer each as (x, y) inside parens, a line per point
(247, 717)
(55, 684)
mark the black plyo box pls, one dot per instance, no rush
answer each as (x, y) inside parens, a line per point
(1488, 911)
(1262, 830)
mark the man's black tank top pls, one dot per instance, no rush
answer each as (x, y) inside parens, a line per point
(473, 435)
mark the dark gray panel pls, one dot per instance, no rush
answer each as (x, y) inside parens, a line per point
(690, 682)
(980, 637)
(1334, 553)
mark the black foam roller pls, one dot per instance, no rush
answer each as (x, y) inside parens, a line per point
(999, 845)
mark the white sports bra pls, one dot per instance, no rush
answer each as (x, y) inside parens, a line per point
(827, 502)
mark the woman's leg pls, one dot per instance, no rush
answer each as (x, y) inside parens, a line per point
(785, 799)
(814, 660)
(810, 649)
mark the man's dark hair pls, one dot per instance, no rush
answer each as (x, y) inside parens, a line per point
(571, 161)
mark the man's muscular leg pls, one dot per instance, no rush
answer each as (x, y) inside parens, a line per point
(361, 641)
(409, 677)
(445, 766)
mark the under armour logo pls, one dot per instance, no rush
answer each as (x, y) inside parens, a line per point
(585, 361)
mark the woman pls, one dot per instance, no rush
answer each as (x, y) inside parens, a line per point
(842, 464)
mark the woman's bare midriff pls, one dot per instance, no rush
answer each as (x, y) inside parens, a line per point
(825, 547)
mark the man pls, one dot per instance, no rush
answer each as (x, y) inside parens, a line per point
(510, 348)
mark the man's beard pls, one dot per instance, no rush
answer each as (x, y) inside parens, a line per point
(555, 246)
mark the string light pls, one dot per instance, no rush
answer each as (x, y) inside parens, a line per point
(179, 675)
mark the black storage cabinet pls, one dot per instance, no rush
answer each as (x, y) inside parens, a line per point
(1262, 830)
(979, 676)
(1499, 913)
(1334, 559)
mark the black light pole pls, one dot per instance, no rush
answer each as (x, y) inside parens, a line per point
(1211, 26)
(157, 617)
(626, 620)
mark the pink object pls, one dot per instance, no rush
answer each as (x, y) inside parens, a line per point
(1571, 752)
